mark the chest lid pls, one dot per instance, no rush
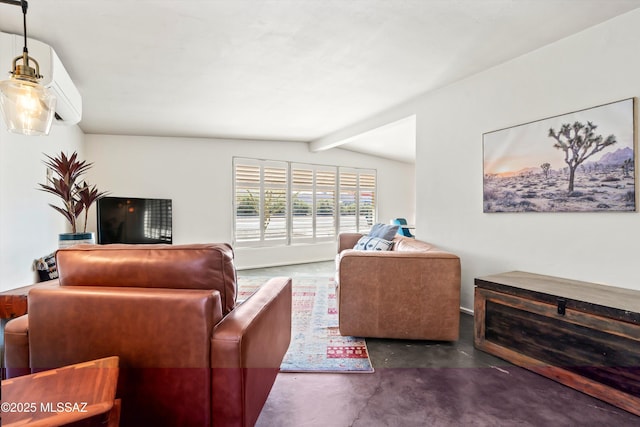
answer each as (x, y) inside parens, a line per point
(604, 300)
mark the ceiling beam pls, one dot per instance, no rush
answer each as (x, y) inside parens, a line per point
(349, 133)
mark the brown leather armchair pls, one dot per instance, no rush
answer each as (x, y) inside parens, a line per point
(189, 356)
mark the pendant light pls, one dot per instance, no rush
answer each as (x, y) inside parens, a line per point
(27, 107)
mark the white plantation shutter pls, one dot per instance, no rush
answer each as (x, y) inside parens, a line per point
(260, 201)
(366, 200)
(247, 201)
(313, 195)
(284, 203)
(274, 207)
(325, 196)
(348, 200)
(357, 200)
(302, 202)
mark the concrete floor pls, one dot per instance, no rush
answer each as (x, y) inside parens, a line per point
(420, 383)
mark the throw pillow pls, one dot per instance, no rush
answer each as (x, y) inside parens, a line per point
(46, 266)
(368, 243)
(383, 231)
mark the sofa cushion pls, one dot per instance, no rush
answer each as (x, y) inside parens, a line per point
(407, 244)
(368, 243)
(383, 231)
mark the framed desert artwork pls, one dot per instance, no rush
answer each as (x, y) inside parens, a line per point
(577, 162)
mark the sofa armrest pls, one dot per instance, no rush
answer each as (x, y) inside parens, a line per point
(247, 348)
(16, 347)
(348, 240)
(391, 294)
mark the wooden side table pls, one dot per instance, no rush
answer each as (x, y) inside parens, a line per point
(64, 395)
(13, 303)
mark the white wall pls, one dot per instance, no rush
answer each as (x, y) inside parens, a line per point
(596, 66)
(593, 67)
(197, 175)
(29, 228)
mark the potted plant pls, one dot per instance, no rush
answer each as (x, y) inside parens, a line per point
(77, 196)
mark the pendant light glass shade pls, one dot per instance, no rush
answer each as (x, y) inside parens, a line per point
(27, 107)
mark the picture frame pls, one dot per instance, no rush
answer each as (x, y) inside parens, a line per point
(583, 161)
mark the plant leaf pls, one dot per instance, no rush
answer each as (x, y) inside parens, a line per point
(63, 212)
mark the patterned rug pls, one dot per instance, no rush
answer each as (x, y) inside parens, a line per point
(316, 343)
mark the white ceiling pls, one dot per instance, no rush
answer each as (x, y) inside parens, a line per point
(294, 70)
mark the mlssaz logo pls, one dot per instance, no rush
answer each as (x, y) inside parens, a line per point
(65, 407)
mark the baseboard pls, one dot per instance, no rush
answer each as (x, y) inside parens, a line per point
(282, 264)
(466, 310)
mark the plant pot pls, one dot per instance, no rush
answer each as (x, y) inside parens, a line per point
(69, 239)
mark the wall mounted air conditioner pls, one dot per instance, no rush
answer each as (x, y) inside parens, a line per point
(55, 77)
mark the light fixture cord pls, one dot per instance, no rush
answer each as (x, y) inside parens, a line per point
(24, 5)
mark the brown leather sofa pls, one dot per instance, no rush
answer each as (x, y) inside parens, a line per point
(189, 356)
(410, 292)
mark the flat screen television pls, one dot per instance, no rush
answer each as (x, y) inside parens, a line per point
(134, 220)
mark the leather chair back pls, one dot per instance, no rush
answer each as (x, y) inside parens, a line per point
(194, 266)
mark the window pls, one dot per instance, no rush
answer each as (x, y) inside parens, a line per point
(302, 201)
(348, 201)
(313, 199)
(260, 201)
(366, 200)
(284, 203)
(357, 200)
(325, 207)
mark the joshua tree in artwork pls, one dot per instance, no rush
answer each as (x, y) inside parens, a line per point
(579, 142)
(545, 168)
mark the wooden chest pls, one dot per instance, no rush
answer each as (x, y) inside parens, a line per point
(583, 335)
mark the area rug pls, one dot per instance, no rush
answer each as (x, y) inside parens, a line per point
(316, 343)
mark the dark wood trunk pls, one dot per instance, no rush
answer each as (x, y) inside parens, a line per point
(583, 335)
